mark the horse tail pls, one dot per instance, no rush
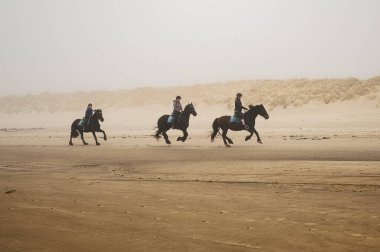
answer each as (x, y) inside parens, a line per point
(158, 131)
(157, 134)
(215, 128)
(74, 131)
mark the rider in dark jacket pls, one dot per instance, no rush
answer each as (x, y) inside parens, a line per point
(177, 111)
(239, 108)
(87, 115)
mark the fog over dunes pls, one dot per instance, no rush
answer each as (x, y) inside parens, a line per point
(272, 93)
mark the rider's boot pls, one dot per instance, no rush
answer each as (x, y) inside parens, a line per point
(245, 125)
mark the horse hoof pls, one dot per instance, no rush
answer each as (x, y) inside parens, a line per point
(168, 142)
(71, 143)
(260, 142)
(227, 145)
(105, 139)
(85, 143)
(97, 143)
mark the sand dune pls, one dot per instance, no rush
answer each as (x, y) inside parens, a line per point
(272, 93)
(292, 104)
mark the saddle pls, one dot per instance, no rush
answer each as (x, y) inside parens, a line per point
(175, 125)
(81, 123)
(235, 119)
(170, 119)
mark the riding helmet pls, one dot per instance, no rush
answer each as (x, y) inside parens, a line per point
(178, 97)
(239, 95)
(90, 104)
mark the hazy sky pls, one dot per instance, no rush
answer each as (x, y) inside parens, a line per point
(83, 45)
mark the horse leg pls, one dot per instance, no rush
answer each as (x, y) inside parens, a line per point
(81, 136)
(96, 139)
(224, 136)
(185, 134)
(71, 139)
(249, 137)
(73, 132)
(229, 140)
(104, 134)
(166, 137)
(257, 135)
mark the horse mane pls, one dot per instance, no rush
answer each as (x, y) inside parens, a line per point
(255, 106)
(96, 112)
(252, 108)
(188, 105)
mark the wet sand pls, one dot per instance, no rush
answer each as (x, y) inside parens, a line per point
(131, 193)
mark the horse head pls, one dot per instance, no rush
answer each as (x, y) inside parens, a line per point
(190, 109)
(98, 114)
(260, 109)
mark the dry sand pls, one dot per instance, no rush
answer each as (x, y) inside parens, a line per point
(313, 185)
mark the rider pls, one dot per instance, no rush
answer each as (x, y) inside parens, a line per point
(87, 116)
(238, 109)
(177, 110)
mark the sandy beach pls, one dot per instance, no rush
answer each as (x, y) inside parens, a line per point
(135, 194)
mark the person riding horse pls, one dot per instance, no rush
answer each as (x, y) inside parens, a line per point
(78, 127)
(87, 115)
(238, 109)
(224, 123)
(164, 124)
(177, 111)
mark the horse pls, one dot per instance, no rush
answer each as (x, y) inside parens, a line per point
(163, 125)
(224, 123)
(93, 126)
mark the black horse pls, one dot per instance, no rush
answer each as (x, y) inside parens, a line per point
(183, 124)
(93, 126)
(224, 123)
